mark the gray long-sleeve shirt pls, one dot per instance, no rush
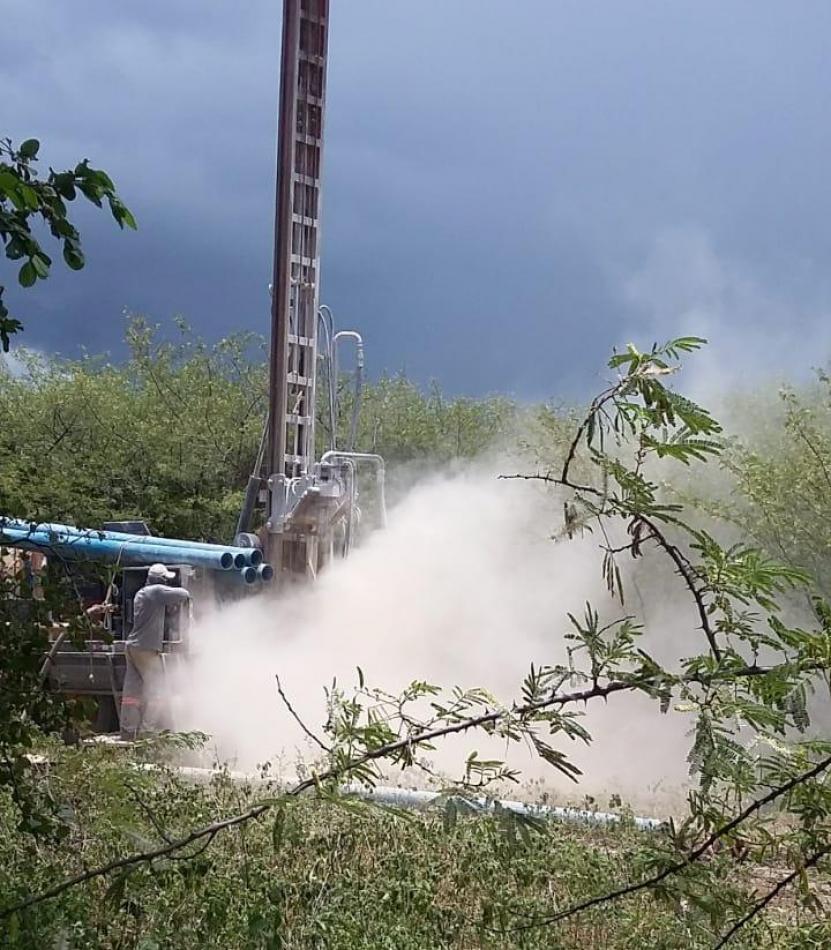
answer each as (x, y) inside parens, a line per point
(149, 607)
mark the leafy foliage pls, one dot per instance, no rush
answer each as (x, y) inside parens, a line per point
(27, 710)
(24, 198)
(746, 689)
(782, 476)
(171, 434)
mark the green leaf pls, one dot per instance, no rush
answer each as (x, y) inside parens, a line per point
(73, 255)
(64, 185)
(29, 149)
(8, 326)
(122, 213)
(27, 275)
(15, 249)
(91, 191)
(41, 263)
(31, 199)
(9, 182)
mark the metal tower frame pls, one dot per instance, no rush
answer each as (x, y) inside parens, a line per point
(296, 280)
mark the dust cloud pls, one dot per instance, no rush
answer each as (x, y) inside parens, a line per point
(465, 587)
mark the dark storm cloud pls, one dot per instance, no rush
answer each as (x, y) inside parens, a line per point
(498, 176)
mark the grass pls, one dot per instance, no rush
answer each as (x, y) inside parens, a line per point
(323, 874)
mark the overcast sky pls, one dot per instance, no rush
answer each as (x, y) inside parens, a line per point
(510, 188)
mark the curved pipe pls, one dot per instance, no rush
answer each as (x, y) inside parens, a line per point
(380, 472)
(359, 377)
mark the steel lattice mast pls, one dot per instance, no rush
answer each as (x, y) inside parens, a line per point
(296, 275)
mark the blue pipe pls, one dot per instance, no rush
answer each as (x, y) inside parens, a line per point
(246, 576)
(89, 545)
(241, 556)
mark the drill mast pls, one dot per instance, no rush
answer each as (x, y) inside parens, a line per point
(312, 512)
(296, 280)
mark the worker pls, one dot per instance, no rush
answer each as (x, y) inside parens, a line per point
(143, 701)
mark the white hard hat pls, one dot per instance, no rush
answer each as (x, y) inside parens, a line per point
(159, 571)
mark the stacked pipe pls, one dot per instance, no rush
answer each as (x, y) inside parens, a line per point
(111, 547)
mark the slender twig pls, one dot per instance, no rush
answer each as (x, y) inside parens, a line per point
(682, 564)
(552, 480)
(628, 547)
(760, 905)
(327, 749)
(148, 813)
(686, 571)
(596, 406)
(815, 452)
(690, 858)
(193, 854)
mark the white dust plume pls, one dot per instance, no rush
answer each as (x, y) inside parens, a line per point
(465, 587)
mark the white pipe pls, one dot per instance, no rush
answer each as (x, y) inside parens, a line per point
(414, 798)
(359, 373)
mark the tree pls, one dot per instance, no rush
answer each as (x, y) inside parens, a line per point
(25, 198)
(171, 434)
(782, 477)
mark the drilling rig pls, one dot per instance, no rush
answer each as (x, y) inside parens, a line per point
(311, 505)
(304, 488)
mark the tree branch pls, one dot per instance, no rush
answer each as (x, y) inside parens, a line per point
(298, 720)
(683, 566)
(685, 570)
(760, 905)
(552, 480)
(691, 858)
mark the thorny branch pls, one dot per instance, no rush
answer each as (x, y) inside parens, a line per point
(760, 905)
(682, 564)
(596, 407)
(685, 570)
(691, 858)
